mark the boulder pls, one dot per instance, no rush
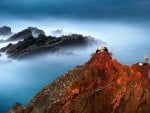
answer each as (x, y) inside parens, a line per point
(5, 30)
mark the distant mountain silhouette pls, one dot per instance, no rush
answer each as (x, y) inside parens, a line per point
(44, 44)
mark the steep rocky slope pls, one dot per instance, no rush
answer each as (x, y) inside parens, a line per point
(102, 85)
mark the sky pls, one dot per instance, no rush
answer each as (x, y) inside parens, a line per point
(76, 9)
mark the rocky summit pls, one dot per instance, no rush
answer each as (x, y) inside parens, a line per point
(102, 85)
(26, 33)
(5, 31)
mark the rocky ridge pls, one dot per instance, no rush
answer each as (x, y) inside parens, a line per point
(33, 41)
(102, 85)
(26, 33)
(42, 44)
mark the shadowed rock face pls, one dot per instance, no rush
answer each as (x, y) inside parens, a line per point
(102, 85)
(26, 33)
(5, 30)
(42, 43)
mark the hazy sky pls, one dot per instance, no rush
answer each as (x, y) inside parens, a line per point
(76, 9)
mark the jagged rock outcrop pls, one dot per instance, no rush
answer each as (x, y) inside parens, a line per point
(31, 46)
(27, 33)
(17, 108)
(5, 30)
(102, 85)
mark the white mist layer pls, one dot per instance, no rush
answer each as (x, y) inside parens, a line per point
(4, 37)
(20, 80)
(3, 56)
(123, 38)
(81, 54)
(4, 44)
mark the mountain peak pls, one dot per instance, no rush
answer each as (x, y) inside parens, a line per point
(102, 85)
(100, 59)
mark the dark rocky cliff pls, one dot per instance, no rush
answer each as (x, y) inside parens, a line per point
(26, 33)
(102, 85)
(5, 30)
(46, 44)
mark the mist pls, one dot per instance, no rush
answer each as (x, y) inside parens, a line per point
(122, 37)
(22, 79)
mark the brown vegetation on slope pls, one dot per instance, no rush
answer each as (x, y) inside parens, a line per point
(102, 85)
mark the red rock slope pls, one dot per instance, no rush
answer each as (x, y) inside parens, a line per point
(102, 85)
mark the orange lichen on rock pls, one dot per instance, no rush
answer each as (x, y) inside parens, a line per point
(119, 79)
(102, 85)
